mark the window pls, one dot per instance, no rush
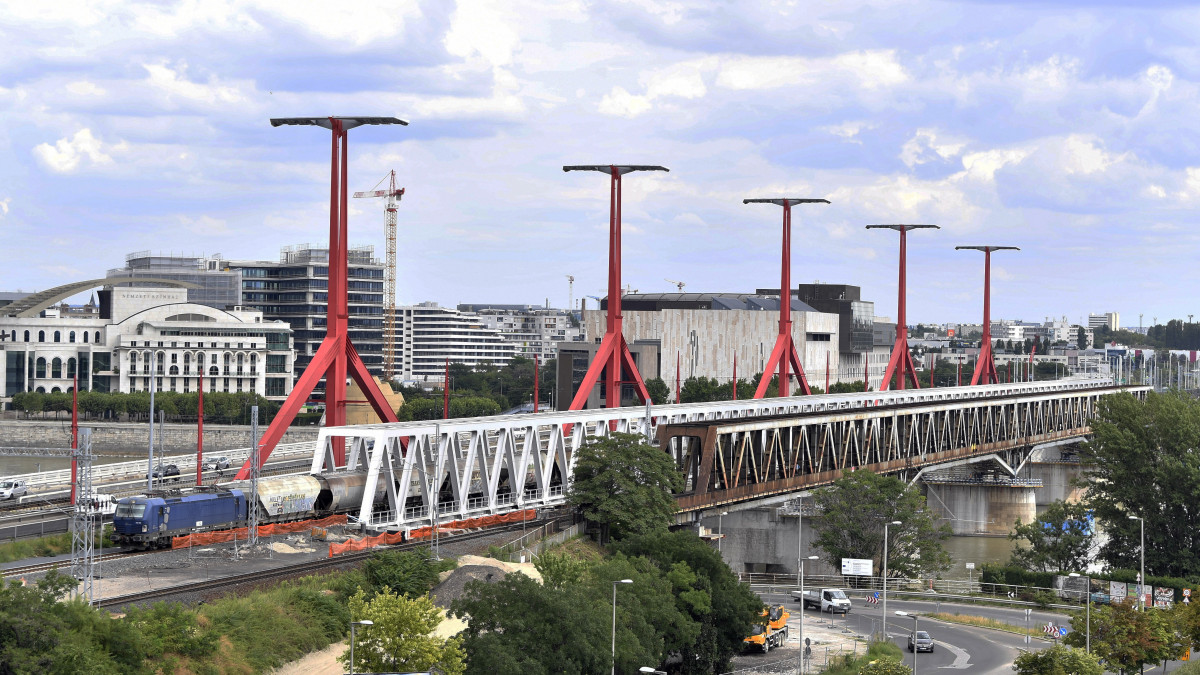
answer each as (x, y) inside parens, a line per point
(70, 367)
(172, 384)
(174, 371)
(58, 336)
(85, 337)
(214, 371)
(41, 336)
(27, 336)
(96, 337)
(71, 336)
(40, 370)
(174, 358)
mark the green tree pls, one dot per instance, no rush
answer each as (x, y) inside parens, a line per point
(1124, 638)
(659, 392)
(1060, 539)
(1058, 660)
(885, 666)
(409, 573)
(560, 569)
(846, 387)
(401, 639)
(520, 626)
(625, 485)
(855, 508)
(699, 390)
(1081, 340)
(1137, 446)
(707, 590)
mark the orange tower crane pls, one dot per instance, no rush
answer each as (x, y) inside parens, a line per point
(393, 196)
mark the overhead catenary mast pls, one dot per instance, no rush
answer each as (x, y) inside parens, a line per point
(393, 196)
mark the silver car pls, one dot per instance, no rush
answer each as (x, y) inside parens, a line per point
(217, 464)
(11, 489)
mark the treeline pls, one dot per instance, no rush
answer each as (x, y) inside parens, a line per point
(507, 386)
(705, 389)
(219, 407)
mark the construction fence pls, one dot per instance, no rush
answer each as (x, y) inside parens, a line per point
(243, 533)
(427, 532)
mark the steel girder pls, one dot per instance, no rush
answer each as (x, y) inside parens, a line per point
(487, 465)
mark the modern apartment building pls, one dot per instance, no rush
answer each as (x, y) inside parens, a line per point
(427, 335)
(533, 330)
(1109, 320)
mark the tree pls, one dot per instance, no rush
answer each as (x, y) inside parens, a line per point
(855, 508)
(409, 573)
(1058, 660)
(559, 569)
(1060, 539)
(519, 626)
(625, 485)
(1081, 340)
(707, 590)
(401, 638)
(1142, 462)
(699, 390)
(1124, 638)
(658, 390)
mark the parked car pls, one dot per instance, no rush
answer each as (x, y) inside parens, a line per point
(921, 642)
(165, 471)
(11, 489)
(217, 464)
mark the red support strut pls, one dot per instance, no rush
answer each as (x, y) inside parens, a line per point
(985, 366)
(900, 366)
(784, 354)
(613, 354)
(336, 359)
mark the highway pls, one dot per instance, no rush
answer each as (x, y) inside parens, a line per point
(980, 651)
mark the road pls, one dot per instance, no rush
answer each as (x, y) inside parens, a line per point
(978, 651)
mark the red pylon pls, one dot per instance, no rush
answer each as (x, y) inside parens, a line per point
(900, 366)
(985, 366)
(336, 358)
(613, 354)
(784, 353)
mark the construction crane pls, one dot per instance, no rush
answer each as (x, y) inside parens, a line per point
(393, 195)
(570, 293)
(678, 284)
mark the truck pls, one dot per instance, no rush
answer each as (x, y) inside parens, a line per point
(771, 630)
(825, 599)
(12, 488)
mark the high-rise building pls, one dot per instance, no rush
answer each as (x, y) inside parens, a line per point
(533, 330)
(1109, 320)
(427, 335)
(214, 285)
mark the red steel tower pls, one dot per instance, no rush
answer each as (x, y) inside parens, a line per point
(784, 353)
(613, 354)
(901, 364)
(336, 358)
(985, 366)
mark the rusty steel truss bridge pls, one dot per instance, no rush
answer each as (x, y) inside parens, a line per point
(729, 452)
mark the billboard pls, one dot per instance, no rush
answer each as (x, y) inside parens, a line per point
(1164, 598)
(1117, 591)
(858, 567)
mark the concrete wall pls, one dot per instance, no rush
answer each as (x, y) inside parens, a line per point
(983, 510)
(122, 436)
(760, 540)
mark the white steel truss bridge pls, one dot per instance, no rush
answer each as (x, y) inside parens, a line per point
(419, 472)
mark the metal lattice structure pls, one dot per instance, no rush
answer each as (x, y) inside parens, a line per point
(393, 196)
(252, 514)
(472, 467)
(83, 521)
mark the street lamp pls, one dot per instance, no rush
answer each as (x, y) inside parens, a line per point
(719, 535)
(364, 622)
(802, 655)
(914, 638)
(1142, 576)
(885, 557)
(1089, 610)
(614, 624)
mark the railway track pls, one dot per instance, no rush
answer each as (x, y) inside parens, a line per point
(309, 567)
(65, 564)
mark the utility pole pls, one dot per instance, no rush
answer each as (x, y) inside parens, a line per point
(83, 520)
(252, 510)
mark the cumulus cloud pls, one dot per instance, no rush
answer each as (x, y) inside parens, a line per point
(927, 145)
(4, 206)
(67, 154)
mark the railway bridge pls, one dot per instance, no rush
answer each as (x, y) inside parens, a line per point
(730, 452)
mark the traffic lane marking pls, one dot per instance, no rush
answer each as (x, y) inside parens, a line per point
(961, 657)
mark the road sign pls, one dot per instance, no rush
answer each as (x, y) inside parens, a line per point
(1062, 631)
(1187, 592)
(970, 566)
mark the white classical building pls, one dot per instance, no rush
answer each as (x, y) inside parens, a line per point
(234, 350)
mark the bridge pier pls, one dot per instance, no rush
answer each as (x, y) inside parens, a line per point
(980, 508)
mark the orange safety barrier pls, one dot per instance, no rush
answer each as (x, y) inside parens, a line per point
(426, 532)
(242, 533)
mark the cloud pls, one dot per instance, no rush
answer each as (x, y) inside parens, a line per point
(849, 130)
(67, 154)
(869, 69)
(205, 225)
(173, 83)
(85, 88)
(4, 206)
(926, 146)
(623, 104)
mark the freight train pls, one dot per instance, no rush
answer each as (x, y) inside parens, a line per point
(152, 521)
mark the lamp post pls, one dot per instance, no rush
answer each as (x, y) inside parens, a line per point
(802, 650)
(1088, 635)
(364, 622)
(914, 638)
(885, 557)
(720, 536)
(1142, 576)
(614, 624)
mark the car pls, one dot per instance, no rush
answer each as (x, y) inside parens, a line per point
(166, 471)
(11, 489)
(920, 642)
(217, 464)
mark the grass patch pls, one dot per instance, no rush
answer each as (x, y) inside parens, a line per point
(579, 547)
(45, 547)
(984, 622)
(849, 664)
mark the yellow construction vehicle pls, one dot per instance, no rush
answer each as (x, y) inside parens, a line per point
(771, 629)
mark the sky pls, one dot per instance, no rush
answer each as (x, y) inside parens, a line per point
(1068, 129)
